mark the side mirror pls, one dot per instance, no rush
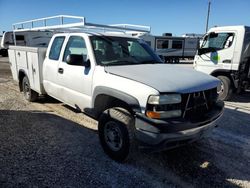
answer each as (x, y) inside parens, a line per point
(205, 50)
(77, 60)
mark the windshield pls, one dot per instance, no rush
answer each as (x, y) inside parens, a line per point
(122, 51)
(218, 41)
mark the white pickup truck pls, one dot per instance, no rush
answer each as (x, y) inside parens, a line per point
(3, 51)
(122, 83)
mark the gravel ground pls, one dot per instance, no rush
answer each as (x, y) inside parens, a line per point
(48, 144)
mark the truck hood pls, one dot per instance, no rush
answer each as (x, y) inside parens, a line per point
(166, 78)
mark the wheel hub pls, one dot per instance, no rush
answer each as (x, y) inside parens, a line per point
(220, 88)
(113, 136)
(26, 90)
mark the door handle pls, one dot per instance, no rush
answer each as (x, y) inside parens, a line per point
(226, 61)
(34, 70)
(60, 70)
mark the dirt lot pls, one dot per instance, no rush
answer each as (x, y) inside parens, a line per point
(47, 144)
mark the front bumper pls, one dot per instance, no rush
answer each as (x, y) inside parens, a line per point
(156, 135)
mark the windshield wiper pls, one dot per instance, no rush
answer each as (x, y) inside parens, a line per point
(150, 62)
(125, 62)
(117, 63)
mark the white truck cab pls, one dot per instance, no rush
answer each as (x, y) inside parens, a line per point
(121, 82)
(225, 54)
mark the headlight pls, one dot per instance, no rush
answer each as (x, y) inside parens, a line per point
(164, 99)
(164, 106)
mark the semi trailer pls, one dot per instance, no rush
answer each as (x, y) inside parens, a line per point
(171, 48)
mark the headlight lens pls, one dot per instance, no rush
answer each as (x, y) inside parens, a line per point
(164, 106)
(164, 99)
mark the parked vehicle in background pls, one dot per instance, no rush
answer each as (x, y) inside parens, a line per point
(3, 51)
(121, 82)
(26, 38)
(225, 54)
(0, 44)
(172, 48)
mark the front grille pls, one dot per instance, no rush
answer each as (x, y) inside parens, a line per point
(196, 105)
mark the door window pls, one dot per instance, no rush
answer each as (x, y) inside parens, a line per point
(76, 45)
(56, 48)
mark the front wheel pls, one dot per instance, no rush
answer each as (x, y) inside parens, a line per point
(29, 94)
(225, 89)
(116, 133)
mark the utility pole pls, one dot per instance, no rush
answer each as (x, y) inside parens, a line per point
(208, 14)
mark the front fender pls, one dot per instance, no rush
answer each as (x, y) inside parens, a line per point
(130, 100)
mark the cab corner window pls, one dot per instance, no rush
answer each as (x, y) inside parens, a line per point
(56, 48)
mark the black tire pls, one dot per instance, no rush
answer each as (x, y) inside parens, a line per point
(117, 123)
(29, 94)
(166, 60)
(4, 53)
(225, 90)
(176, 60)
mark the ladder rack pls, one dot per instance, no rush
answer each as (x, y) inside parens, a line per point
(77, 23)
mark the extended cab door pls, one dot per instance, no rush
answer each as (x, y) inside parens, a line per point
(216, 52)
(50, 66)
(75, 81)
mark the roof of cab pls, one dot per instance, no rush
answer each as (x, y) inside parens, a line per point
(223, 28)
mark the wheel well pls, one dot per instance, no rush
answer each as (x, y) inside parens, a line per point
(103, 102)
(227, 74)
(21, 75)
(221, 74)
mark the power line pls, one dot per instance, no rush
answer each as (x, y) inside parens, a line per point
(208, 14)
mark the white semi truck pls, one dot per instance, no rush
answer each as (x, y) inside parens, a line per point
(120, 81)
(225, 54)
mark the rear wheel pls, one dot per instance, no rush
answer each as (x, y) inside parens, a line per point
(5, 53)
(225, 89)
(29, 94)
(116, 133)
(177, 60)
